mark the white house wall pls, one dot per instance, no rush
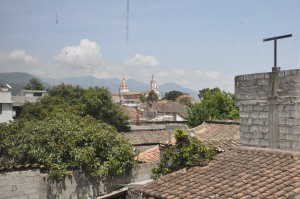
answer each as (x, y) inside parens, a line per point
(7, 113)
(179, 118)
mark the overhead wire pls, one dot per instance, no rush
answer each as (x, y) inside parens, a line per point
(127, 23)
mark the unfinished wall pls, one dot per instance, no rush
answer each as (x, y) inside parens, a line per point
(34, 185)
(269, 109)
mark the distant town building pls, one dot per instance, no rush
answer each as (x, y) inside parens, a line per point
(33, 93)
(165, 110)
(153, 86)
(6, 113)
(123, 88)
(126, 97)
(26, 96)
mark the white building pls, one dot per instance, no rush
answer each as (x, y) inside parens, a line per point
(6, 110)
(33, 93)
(126, 97)
(123, 88)
(26, 96)
(153, 86)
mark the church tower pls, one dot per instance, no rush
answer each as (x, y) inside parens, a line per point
(153, 86)
(123, 88)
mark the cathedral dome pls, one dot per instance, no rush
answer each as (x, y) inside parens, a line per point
(124, 86)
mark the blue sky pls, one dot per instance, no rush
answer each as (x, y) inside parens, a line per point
(194, 43)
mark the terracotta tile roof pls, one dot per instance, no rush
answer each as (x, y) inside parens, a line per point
(131, 112)
(172, 107)
(167, 106)
(221, 134)
(151, 155)
(243, 172)
(149, 137)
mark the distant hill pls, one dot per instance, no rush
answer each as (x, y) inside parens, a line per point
(113, 84)
(18, 81)
(110, 83)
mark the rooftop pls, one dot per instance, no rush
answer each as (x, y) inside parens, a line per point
(242, 172)
(149, 137)
(167, 106)
(221, 134)
(149, 156)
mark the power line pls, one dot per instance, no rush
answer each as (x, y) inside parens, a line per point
(127, 23)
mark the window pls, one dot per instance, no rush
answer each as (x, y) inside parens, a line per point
(0, 108)
(37, 94)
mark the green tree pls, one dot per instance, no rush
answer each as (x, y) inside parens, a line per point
(94, 101)
(64, 141)
(215, 104)
(172, 95)
(151, 97)
(185, 100)
(34, 84)
(187, 152)
(197, 114)
(142, 98)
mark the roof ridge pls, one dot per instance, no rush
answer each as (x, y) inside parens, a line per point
(278, 152)
(222, 122)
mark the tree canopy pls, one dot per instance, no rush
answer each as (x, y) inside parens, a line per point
(172, 95)
(187, 152)
(93, 101)
(34, 84)
(151, 97)
(64, 141)
(215, 104)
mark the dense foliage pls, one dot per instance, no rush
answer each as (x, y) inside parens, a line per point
(93, 101)
(215, 104)
(185, 100)
(151, 97)
(187, 152)
(172, 95)
(142, 98)
(64, 141)
(34, 84)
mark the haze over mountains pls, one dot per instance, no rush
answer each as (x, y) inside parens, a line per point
(18, 80)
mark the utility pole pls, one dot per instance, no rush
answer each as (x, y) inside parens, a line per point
(276, 68)
(91, 65)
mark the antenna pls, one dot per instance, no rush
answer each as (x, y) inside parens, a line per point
(91, 65)
(275, 68)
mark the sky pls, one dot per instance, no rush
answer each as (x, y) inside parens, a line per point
(195, 43)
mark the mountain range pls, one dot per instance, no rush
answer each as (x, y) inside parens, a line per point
(18, 80)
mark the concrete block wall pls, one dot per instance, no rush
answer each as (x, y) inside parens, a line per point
(269, 109)
(20, 184)
(32, 184)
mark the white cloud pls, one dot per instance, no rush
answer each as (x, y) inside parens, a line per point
(17, 60)
(142, 60)
(196, 80)
(87, 52)
(210, 75)
(22, 57)
(75, 60)
(173, 74)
